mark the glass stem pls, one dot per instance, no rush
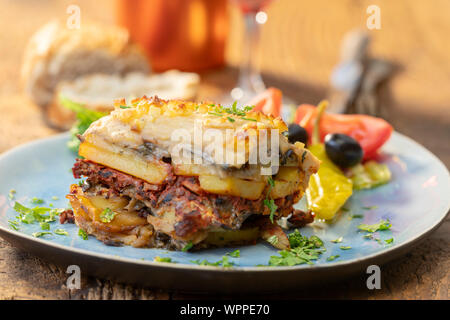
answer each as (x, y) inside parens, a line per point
(249, 77)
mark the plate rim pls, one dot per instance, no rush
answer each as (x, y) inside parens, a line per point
(257, 269)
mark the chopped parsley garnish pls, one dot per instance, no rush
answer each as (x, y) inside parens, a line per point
(356, 216)
(187, 247)
(317, 241)
(52, 214)
(296, 256)
(370, 208)
(163, 259)
(215, 114)
(36, 214)
(270, 203)
(234, 107)
(14, 224)
(345, 247)
(388, 241)
(338, 240)
(124, 107)
(332, 258)
(11, 194)
(61, 232)
(204, 262)
(233, 110)
(235, 254)
(35, 200)
(84, 117)
(83, 234)
(297, 240)
(272, 207)
(345, 209)
(303, 250)
(40, 234)
(41, 215)
(224, 262)
(380, 226)
(107, 215)
(45, 226)
(371, 237)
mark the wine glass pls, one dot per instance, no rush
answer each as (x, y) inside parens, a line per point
(249, 82)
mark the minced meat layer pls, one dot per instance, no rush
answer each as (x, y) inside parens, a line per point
(195, 209)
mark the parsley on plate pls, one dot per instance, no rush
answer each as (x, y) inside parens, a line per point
(380, 226)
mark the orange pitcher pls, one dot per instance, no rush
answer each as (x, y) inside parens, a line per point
(188, 35)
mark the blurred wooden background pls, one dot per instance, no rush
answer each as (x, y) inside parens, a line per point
(299, 48)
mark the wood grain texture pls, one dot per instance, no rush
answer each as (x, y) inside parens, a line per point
(299, 47)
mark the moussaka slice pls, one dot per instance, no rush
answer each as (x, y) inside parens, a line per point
(170, 173)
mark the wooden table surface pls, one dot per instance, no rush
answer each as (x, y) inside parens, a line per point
(299, 46)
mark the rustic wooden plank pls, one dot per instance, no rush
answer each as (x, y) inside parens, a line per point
(23, 276)
(421, 274)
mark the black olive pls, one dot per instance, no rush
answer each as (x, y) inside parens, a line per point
(343, 150)
(297, 133)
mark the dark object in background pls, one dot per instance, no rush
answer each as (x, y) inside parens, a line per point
(343, 150)
(357, 78)
(297, 133)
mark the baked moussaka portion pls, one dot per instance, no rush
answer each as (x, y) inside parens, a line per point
(168, 174)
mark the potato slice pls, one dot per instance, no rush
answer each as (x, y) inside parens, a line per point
(288, 174)
(287, 181)
(122, 218)
(190, 169)
(148, 171)
(232, 186)
(87, 208)
(114, 203)
(225, 237)
(282, 189)
(215, 184)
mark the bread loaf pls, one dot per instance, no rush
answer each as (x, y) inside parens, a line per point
(98, 91)
(56, 54)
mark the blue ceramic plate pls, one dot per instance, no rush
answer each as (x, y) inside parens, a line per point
(416, 201)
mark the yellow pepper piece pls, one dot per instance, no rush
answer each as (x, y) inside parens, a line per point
(369, 175)
(329, 188)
